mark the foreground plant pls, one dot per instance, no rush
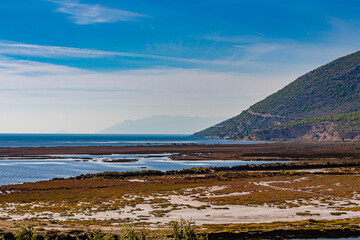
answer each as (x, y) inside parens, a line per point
(26, 232)
(181, 230)
(99, 235)
(128, 233)
(184, 230)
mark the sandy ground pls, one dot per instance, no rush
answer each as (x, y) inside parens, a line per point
(188, 207)
(211, 215)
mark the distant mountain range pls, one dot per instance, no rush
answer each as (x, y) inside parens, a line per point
(162, 124)
(322, 105)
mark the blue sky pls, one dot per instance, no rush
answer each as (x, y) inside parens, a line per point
(81, 66)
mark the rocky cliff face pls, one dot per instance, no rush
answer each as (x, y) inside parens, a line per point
(322, 131)
(318, 131)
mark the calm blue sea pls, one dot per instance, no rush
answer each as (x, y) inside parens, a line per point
(53, 140)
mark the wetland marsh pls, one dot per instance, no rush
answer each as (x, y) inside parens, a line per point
(316, 187)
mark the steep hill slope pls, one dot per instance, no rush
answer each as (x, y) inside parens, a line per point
(326, 91)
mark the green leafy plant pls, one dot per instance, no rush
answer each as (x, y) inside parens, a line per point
(99, 235)
(129, 233)
(184, 230)
(26, 232)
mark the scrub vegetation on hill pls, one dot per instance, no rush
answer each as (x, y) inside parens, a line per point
(323, 94)
(345, 122)
(330, 89)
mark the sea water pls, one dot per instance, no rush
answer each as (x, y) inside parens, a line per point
(55, 140)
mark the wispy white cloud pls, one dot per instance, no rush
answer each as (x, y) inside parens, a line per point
(258, 49)
(345, 32)
(11, 66)
(84, 14)
(242, 54)
(13, 48)
(279, 53)
(233, 39)
(20, 49)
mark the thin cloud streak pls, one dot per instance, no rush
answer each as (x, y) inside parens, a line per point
(84, 14)
(60, 52)
(21, 49)
(50, 51)
(88, 90)
(245, 58)
(243, 53)
(25, 67)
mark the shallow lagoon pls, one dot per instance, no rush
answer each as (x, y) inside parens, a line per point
(17, 170)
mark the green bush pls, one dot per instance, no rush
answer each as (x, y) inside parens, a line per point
(184, 230)
(26, 232)
(128, 233)
(98, 235)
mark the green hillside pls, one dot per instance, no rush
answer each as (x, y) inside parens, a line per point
(240, 126)
(328, 90)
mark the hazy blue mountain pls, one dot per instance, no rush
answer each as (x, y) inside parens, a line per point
(163, 124)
